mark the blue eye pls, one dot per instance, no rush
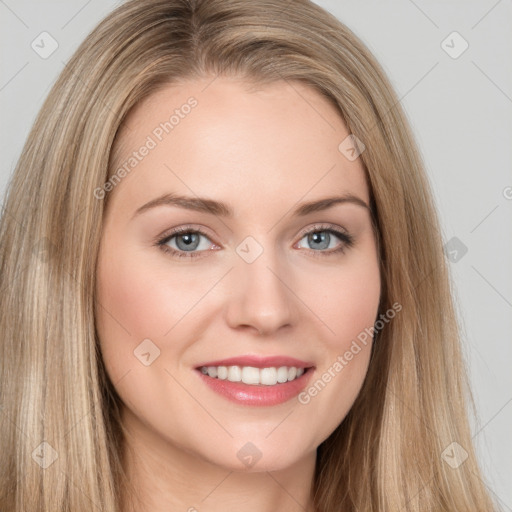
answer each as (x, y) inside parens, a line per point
(322, 239)
(186, 242)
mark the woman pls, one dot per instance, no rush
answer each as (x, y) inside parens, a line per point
(172, 335)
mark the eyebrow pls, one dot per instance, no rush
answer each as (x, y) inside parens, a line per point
(203, 204)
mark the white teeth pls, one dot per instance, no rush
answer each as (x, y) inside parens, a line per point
(282, 374)
(234, 374)
(268, 376)
(254, 376)
(250, 375)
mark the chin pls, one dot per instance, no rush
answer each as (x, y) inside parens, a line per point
(254, 457)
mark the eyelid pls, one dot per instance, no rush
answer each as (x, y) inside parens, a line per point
(186, 228)
(323, 226)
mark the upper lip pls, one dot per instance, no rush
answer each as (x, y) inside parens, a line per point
(259, 362)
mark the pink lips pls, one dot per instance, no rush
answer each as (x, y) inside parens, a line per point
(259, 395)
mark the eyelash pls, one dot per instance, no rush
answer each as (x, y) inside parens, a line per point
(346, 239)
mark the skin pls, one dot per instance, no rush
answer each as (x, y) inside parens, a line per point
(262, 152)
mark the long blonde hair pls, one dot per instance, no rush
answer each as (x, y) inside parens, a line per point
(386, 455)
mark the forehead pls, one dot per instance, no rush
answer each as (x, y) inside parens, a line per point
(229, 139)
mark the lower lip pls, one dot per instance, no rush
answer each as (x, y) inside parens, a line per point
(259, 395)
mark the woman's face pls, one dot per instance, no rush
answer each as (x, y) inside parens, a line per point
(268, 274)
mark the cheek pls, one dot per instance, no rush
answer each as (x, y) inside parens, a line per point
(348, 301)
(356, 305)
(348, 307)
(137, 300)
(133, 304)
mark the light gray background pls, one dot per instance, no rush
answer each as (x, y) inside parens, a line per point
(460, 110)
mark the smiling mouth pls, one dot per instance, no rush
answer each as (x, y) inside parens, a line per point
(253, 376)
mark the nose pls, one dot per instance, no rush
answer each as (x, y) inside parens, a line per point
(261, 297)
